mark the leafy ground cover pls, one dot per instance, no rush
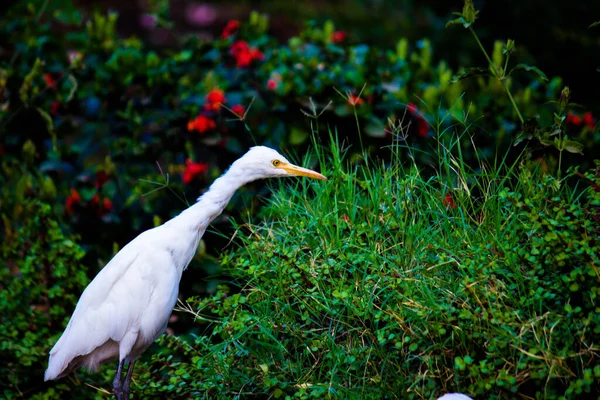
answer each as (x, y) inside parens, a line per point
(395, 282)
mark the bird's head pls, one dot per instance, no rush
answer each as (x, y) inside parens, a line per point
(263, 162)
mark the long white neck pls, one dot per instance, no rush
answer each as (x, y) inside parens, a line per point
(212, 203)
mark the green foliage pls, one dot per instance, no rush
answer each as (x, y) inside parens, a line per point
(467, 17)
(393, 283)
(95, 104)
(387, 282)
(41, 277)
(40, 281)
(498, 68)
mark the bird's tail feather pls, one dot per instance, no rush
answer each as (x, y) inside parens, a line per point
(56, 366)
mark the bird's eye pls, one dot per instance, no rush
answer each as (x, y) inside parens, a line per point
(276, 163)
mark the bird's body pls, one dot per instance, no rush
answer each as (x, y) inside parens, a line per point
(128, 304)
(454, 396)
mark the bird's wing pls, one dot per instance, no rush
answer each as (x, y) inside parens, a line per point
(103, 311)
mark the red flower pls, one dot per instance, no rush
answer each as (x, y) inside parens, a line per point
(576, 120)
(107, 204)
(272, 84)
(101, 178)
(256, 54)
(588, 120)
(201, 124)
(239, 47)
(193, 170)
(354, 100)
(573, 119)
(72, 201)
(243, 59)
(101, 207)
(215, 96)
(54, 107)
(244, 55)
(50, 82)
(422, 124)
(338, 36)
(239, 110)
(230, 28)
(449, 201)
(214, 99)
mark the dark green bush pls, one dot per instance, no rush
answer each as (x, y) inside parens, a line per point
(101, 111)
(382, 284)
(97, 105)
(40, 281)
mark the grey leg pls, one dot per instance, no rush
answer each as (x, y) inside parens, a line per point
(128, 381)
(117, 384)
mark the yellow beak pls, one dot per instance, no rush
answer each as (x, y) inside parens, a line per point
(299, 171)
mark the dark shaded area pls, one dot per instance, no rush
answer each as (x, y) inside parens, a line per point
(554, 36)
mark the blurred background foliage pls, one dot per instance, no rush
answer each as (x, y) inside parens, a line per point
(556, 37)
(118, 114)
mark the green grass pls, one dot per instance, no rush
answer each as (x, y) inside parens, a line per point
(372, 285)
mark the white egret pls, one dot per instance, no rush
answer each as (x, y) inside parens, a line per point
(454, 396)
(128, 304)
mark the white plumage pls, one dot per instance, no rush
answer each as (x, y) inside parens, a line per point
(128, 304)
(455, 396)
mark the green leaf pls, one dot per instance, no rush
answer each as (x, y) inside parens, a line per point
(469, 13)
(328, 30)
(457, 21)
(529, 68)
(298, 136)
(73, 82)
(521, 136)
(593, 24)
(465, 18)
(70, 16)
(508, 47)
(375, 128)
(573, 146)
(574, 287)
(342, 110)
(565, 95)
(469, 73)
(183, 56)
(50, 126)
(47, 118)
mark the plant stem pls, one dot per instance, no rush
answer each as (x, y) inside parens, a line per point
(362, 148)
(559, 163)
(497, 75)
